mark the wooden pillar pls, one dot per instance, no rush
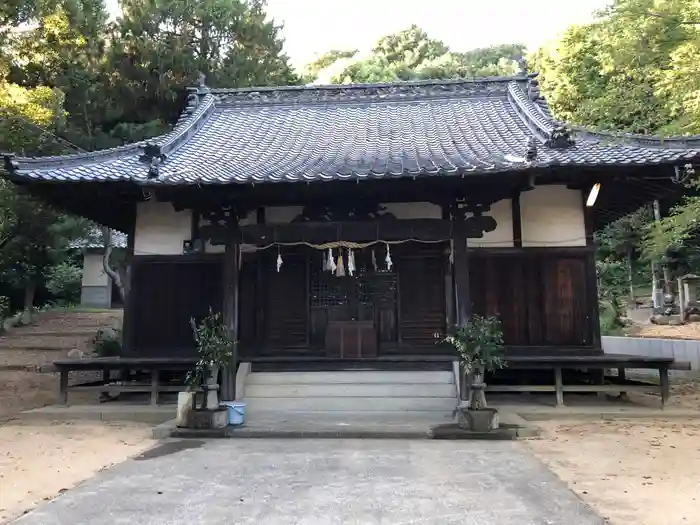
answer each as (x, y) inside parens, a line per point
(231, 272)
(128, 335)
(591, 277)
(461, 266)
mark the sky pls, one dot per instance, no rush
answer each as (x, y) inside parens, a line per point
(312, 27)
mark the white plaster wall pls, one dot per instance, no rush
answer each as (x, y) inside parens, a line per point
(93, 271)
(414, 210)
(502, 236)
(552, 216)
(160, 230)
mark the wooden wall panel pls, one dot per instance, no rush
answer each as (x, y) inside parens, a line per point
(541, 299)
(248, 303)
(165, 293)
(287, 300)
(422, 301)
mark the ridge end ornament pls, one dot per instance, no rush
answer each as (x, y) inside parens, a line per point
(560, 137)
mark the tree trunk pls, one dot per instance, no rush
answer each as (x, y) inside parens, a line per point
(29, 292)
(630, 279)
(113, 274)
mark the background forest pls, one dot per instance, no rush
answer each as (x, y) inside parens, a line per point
(73, 80)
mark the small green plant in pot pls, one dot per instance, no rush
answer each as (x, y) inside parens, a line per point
(214, 352)
(479, 345)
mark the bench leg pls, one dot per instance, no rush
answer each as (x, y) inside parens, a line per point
(63, 388)
(559, 387)
(524, 380)
(600, 380)
(154, 386)
(664, 385)
(622, 377)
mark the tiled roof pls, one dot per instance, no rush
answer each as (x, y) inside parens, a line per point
(95, 240)
(325, 133)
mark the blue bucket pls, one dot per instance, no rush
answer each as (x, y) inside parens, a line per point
(236, 412)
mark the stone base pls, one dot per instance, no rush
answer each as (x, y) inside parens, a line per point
(207, 419)
(482, 420)
(454, 431)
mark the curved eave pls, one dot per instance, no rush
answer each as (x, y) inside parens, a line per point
(33, 168)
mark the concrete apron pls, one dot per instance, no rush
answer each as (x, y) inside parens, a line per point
(352, 425)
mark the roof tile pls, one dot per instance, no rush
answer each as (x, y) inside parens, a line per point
(359, 132)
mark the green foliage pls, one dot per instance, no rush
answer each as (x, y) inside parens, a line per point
(108, 342)
(412, 55)
(64, 281)
(479, 344)
(619, 71)
(612, 283)
(4, 311)
(72, 80)
(214, 347)
(312, 70)
(33, 236)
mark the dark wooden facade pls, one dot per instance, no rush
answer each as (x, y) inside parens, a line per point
(542, 296)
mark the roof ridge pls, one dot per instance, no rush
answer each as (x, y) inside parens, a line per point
(528, 110)
(190, 120)
(396, 91)
(373, 85)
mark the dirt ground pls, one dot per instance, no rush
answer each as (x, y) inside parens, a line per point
(51, 337)
(39, 461)
(639, 471)
(686, 331)
(631, 472)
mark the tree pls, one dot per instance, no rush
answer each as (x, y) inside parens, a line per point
(411, 54)
(65, 50)
(35, 238)
(158, 47)
(311, 71)
(634, 69)
(614, 73)
(622, 240)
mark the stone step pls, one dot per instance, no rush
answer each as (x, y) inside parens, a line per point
(352, 390)
(350, 404)
(350, 377)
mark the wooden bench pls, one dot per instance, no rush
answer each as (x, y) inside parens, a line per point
(599, 363)
(155, 366)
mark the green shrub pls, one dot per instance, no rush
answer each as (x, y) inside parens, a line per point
(64, 282)
(4, 311)
(108, 342)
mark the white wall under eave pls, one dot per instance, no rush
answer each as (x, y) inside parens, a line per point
(552, 216)
(93, 270)
(502, 236)
(160, 230)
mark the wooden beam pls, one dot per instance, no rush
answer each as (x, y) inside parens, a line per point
(128, 321)
(231, 279)
(461, 266)
(591, 276)
(517, 221)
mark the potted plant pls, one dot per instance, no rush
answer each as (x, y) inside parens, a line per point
(214, 351)
(479, 344)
